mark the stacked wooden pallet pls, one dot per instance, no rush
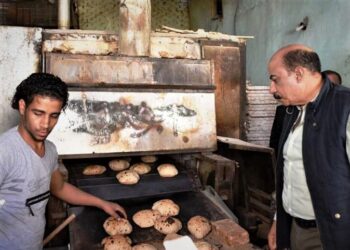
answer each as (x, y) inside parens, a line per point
(261, 107)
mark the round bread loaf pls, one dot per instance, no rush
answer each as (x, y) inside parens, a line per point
(198, 226)
(167, 170)
(118, 164)
(167, 225)
(141, 168)
(166, 207)
(144, 246)
(145, 218)
(128, 177)
(203, 245)
(115, 226)
(94, 170)
(116, 242)
(149, 158)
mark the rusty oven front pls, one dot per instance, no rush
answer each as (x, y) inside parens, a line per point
(133, 106)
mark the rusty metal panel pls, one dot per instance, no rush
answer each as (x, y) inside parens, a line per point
(85, 70)
(229, 80)
(115, 122)
(19, 57)
(174, 47)
(80, 42)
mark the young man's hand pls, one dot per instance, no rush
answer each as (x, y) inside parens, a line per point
(271, 237)
(113, 209)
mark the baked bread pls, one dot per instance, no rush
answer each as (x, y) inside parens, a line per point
(128, 177)
(167, 225)
(141, 168)
(115, 226)
(166, 207)
(198, 226)
(149, 158)
(94, 170)
(118, 164)
(167, 170)
(145, 218)
(116, 242)
(144, 246)
(203, 245)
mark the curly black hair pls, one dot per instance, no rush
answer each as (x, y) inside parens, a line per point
(42, 84)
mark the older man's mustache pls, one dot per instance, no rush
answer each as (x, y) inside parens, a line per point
(277, 96)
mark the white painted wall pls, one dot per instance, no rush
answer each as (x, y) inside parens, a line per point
(19, 57)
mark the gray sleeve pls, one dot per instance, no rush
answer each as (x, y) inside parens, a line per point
(348, 138)
(2, 171)
(3, 166)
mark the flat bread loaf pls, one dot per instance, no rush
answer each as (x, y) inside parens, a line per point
(141, 168)
(144, 246)
(203, 245)
(167, 170)
(166, 207)
(116, 242)
(114, 226)
(149, 158)
(128, 177)
(167, 225)
(199, 226)
(118, 164)
(94, 170)
(145, 218)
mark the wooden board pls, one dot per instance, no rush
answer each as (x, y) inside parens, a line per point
(229, 73)
(174, 47)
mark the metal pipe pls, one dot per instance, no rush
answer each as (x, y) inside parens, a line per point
(63, 14)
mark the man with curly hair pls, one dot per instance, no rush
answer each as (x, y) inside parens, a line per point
(28, 165)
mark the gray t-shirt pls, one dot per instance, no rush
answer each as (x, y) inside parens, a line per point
(23, 175)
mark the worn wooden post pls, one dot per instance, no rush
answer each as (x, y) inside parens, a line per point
(135, 27)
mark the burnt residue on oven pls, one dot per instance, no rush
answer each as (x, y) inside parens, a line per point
(102, 118)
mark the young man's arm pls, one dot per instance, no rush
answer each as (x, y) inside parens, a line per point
(75, 196)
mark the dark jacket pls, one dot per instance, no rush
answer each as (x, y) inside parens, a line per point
(277, 127)
(327, 167)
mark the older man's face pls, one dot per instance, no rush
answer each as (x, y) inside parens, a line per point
(283, 83)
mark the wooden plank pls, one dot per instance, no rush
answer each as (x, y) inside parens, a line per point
(229, 65)
(92, 70)
(80, 42)
(175, 47)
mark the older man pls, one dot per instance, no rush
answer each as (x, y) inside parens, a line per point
(313, 169)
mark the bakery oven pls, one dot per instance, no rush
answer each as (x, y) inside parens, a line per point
(128, 107)
(86, 231)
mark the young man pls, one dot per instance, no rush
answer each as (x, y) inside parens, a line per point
(313, 169)
(28, 165)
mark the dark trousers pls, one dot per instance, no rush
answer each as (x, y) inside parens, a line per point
(304, 238)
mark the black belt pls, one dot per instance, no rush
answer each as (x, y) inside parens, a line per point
(305, 223)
